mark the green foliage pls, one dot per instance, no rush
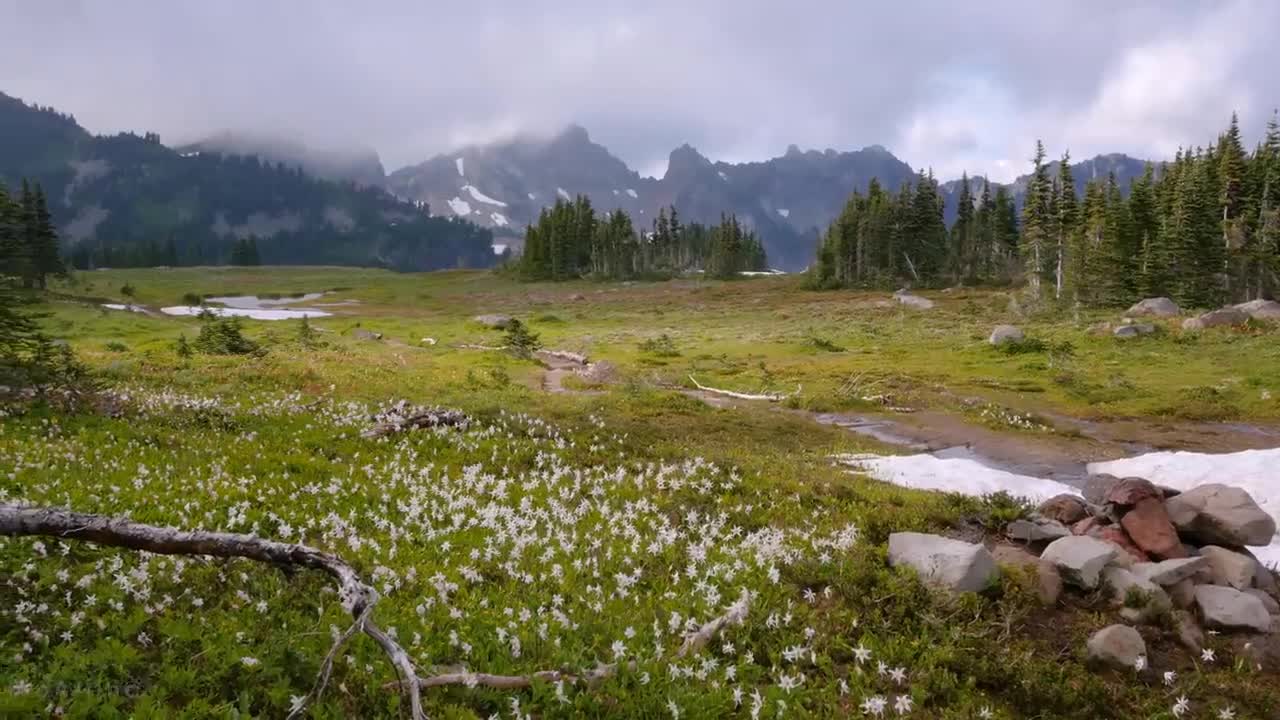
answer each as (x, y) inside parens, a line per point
(182, 347)
(128, 290)
(521, 341)
(307, 336)
(815, 340)
(661, 346)
(117, 346)
(192, 299)
(224, 336)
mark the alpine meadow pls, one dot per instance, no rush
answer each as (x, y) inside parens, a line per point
(291, 427)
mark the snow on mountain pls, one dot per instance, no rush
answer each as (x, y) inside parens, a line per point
(461, 165)
(481, 197)
(460, 206)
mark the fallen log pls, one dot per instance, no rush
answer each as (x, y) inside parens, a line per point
(771, 397)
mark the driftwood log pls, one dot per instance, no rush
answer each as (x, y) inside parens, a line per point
(417, 420)
(771, 397)
(356, 596)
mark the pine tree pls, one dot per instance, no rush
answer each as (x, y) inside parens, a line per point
(960, 256)
(42, 241)
(1064, 221)
(1037, 223)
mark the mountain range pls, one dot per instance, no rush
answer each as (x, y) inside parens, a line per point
(501, 187)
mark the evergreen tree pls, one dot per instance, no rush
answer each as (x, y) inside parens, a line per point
(1064, 220)
(961, 244)
(1037, 221)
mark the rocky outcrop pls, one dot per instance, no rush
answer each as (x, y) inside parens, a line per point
(1005, 334)
(1154, 307)
(952, 564)
(1117, 646)
(1220, 514)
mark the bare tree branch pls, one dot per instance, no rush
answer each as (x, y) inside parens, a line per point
(771, 397)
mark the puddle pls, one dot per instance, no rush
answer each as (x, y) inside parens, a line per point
(253, 302)
(130, 308)
(252, 313)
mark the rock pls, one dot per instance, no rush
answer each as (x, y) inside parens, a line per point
(599, 372)
(1190, 636)
(1148, 526)
(1154, 307)
(1124, 585)
(1182, 593)
(1264, 579)
(1225, 608)
(1014, 555)
(1096, 487)
(1079, 559)
(1229, 568)
(1037, 529)
(1066, 509)
(1220, 514)
(1268, 602)
(1216, 318)
(1005, 334)
(1115, 536)
(1133, 330)
(1268, 310)
(1130, 491)
(956, 565)
(362, 334)
(912, 301)
(497, 322)
(1085, 526)
(1048, 583)
(1170, 572)
(1117, 646)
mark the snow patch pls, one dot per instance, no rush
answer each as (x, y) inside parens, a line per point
(253, 302)
(458, 163)
(254, 314)
(130, 308)
(632, 193)
(759, 273)
(499, 248)
(460, 206)
(532, 196)
(562, 193)
(499, 219)
(481, 197)
(784, 212)
(617, 191)
(955, 474)
(1253, 471)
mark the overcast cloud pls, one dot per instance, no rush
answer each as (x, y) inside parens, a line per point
(955, 86)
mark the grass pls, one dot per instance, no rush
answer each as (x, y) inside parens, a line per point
(563, 530)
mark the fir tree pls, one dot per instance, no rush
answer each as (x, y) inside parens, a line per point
(1037, 223)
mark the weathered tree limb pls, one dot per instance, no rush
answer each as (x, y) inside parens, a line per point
(425, 418)
(356, 596)
(771, 397)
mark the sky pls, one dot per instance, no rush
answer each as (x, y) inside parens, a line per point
(954, 86)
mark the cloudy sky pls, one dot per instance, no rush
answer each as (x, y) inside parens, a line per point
(953, 85)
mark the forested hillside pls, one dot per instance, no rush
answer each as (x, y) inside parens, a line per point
(1203, 229)
(127, 200)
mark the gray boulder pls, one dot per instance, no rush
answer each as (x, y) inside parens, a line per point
(1117, 646)
(1225, 608)
(1097, 487)
(912, 301)
(497, 322)
(1268, 602)
(1005, 334)
(1223, 317)
(1221, 514)
(956, 565)
(1229, 568)
(1037, 529)
(1154, 307)
(1066, 509)
(362, 334)
(1170, 572)
(1267, 310)
(1080, 559)
(1132, 330)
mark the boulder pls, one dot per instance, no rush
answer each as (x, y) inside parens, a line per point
(1131, 490)
(1170, 572)
(1066, 509)
(1005, 334)
(912, 301)
(1220, 514)
(1182, 593)
(1268, 602)
(1096, 487)
(1048, 583)
(1229, 568)
(1190, 636)
(1037, 529)
(1225, 608)
(1223, 317)
(1266, 310)
(1117, 646)
(956, 565)
(1133, 330)
(497, 322)
(1079, 559)
(1085, 526)
(1149, 528)
(1154, 307)
(1129, 554)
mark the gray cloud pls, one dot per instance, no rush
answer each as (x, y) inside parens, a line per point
(955, 86)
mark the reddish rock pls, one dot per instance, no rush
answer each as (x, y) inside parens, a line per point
(1149, 527)
(1084, 526)
(1131, 491)
(1066, 509)
(1117, 537)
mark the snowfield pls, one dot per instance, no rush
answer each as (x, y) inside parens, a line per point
(460, 165)
(460, 206)
(499, 219)
(481, 197)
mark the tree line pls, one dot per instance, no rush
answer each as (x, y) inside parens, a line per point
(1203, 229)
(29, 247)
(569, 240)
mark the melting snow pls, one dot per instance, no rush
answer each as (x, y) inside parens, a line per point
(758, 273)
(954, 474)
(255, 314)
(561, 192)
(481, 197)
(498, 249)
(499, 219)
(118, 306)
(460, 206)
(1254, 471)
(632, 193)
(723, 176)
(784, 212)
(459, 164)
(253, 302)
